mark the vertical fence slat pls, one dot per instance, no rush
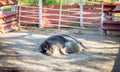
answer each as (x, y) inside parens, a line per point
(12, 8)
(1, 10)
(60, 13)
(40, 13)
(81, 13)
(20, 13)
(102, 17)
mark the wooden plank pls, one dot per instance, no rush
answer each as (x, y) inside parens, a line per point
(107, 4)
(29, 19)
(92, 10)
(92, 20)
(52, 17)
(27, 23)
(29, 14)
(92, 6)
(7, 14)
(91, 15)
(111, 28)
(108, 7)
(117, 8)
(5, 21)
(111, 22)
(111, 25)
(8, 2)
(9, 27)
(71, 19)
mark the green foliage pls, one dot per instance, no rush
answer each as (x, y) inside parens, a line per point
(45, 2)
(76, 24)
(6, 8)
(30, 2)
(57, 2)
(54, 2)
(51, 2)
(110, 0)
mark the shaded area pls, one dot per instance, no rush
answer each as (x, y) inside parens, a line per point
(9, 69)
(15, 69)
(116, 67)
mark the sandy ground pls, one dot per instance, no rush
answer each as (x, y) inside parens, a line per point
(19, 52)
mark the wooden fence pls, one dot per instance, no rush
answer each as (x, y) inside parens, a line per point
(70, 15)
(8, 20)
(110, 23)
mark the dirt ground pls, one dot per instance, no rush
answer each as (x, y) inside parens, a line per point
(19, 52)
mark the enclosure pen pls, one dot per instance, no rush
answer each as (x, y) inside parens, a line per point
(59, 36)
(63, 16)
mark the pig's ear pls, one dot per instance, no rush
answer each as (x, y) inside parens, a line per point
(48, 42)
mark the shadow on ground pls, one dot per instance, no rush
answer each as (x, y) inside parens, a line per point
(116, 67)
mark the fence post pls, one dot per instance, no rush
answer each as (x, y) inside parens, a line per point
(60, 13)
(102, 14)
(81, 13)
(1, 10)
(112, 12)
(20, 4)
(40, 13)
(102, 19)
(12, 8)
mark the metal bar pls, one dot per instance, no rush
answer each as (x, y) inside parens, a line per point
(58, 9)
(60, 14)
(12, 8)
(28, 11)
(102, 17)
(81, 13)
(1, 10)
(19, 12)
(40, 13)
(31, 16)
